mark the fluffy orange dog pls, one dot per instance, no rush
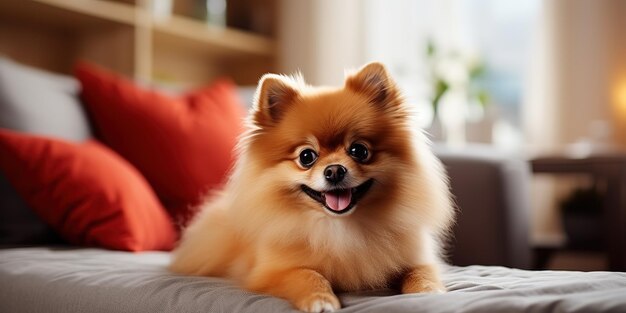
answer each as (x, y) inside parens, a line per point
(334, 190)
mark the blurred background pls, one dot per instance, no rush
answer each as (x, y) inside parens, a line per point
(541, 80)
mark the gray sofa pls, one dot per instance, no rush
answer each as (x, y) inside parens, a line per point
(491, 190)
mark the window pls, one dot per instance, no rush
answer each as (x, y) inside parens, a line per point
(494, 35)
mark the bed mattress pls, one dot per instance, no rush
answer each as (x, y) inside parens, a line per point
(48, 279)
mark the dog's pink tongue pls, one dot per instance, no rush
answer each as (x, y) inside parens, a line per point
(338, 200)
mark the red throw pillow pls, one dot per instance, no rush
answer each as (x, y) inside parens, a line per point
(86, 192)
(183, 145)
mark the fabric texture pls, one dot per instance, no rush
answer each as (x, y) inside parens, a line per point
(86, 192)
(92, 280)
(39, 102)
(183, 145)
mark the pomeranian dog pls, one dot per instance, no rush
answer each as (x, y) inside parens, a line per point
(335, 189)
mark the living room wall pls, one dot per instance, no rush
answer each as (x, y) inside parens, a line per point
(575, 97)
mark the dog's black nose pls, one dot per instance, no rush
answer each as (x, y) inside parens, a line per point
(335, 173)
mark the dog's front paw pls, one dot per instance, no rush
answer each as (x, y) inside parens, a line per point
(423, 287)
(423, 279)
(319, 302)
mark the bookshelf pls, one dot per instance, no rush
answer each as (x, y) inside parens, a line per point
(126, 37)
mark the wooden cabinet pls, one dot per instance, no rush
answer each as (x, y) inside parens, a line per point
(124, 36)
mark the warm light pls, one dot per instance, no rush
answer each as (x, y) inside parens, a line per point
(619, 97)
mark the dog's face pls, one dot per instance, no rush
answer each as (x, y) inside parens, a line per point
(334, 151)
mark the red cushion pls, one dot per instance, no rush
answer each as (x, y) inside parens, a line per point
(86, 192)
(183, 145)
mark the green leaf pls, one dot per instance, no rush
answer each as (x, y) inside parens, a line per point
(430, 48)
(441, 87)
(477, 70)
(483, 97)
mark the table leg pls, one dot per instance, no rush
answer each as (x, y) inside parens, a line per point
(615, 217)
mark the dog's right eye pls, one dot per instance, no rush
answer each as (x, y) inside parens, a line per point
(307, 158)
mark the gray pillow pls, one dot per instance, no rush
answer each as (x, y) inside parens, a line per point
(37, 102)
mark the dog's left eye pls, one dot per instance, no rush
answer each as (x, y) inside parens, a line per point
(359, 152)
(308, 157)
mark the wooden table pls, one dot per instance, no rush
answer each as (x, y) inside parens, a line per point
(611, 169)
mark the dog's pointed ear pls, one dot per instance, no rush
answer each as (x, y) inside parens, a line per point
(374, 81)
(273, 96)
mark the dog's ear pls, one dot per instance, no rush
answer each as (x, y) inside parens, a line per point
(374, 81)
(273, 96)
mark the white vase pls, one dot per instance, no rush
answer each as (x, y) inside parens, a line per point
(435, 130)
(452, 108)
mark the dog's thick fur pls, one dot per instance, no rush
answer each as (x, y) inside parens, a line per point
(263, 231)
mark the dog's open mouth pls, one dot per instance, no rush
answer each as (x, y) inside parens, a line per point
(339, 201)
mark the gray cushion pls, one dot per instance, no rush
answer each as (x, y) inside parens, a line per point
(42, 103)
(46, 279)
(490, 189)
(39, 102)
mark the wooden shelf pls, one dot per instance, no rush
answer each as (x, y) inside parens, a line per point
(124, 36)
(180, 29)
(113, 11)
(210, 38)
(69, 16)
